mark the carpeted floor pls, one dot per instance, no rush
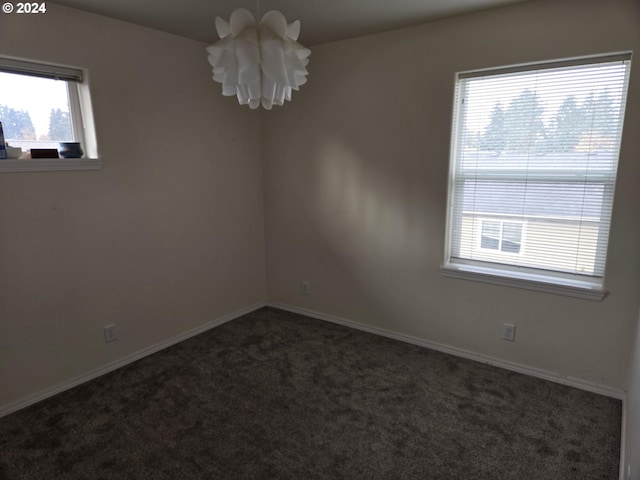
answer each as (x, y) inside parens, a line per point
(274, 395)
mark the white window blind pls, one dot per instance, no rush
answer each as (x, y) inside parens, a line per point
(54, 72)
(534, 156)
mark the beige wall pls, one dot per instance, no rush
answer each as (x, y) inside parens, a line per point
(356, 186)
(632, 453)
(168, 236)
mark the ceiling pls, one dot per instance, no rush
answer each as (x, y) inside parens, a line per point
(322, 20)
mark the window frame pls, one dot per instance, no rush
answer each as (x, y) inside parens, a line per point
(587, 287)
(501, 224)
(80, 110)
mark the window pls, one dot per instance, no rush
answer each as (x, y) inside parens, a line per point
(501, 236)
(42, 105)
(536, 147)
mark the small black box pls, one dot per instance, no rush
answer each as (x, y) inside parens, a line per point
(44, 153)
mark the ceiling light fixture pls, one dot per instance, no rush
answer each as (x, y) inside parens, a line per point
(259, 63)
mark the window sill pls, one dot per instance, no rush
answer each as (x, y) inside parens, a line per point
(49, 164)
(538, 283)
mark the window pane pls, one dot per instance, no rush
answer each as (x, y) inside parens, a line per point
(34, 111)
(512, 232)
(490, 235)
(511, 237)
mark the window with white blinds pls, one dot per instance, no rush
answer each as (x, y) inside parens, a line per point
(533, 167)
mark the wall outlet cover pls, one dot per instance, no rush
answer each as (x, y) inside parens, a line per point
(509, 332)
(110, 333)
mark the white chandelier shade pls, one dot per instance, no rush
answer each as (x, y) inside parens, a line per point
(259, 63)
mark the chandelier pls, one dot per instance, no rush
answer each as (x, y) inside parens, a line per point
(259, 63)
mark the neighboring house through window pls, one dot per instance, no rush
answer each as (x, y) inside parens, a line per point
(501, 236)
(533, 167)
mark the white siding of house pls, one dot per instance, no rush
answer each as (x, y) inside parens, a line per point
(558, 240)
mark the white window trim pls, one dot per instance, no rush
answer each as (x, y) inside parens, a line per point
(499, 250)
(81, 114)
(585, 289)
(590, 288)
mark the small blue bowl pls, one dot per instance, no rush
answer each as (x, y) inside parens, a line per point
(70, 150)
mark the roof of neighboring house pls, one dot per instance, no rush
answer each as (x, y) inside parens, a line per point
(495, 188)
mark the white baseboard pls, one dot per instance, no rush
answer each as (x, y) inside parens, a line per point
(623, 439)
(534, 372)
(109, 367)
(497, 362)
(459, 352)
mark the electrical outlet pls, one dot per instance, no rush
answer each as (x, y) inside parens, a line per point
(509, 332)
(110, 333)
(304, 288)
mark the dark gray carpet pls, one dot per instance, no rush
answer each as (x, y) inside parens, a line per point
(274, 395)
